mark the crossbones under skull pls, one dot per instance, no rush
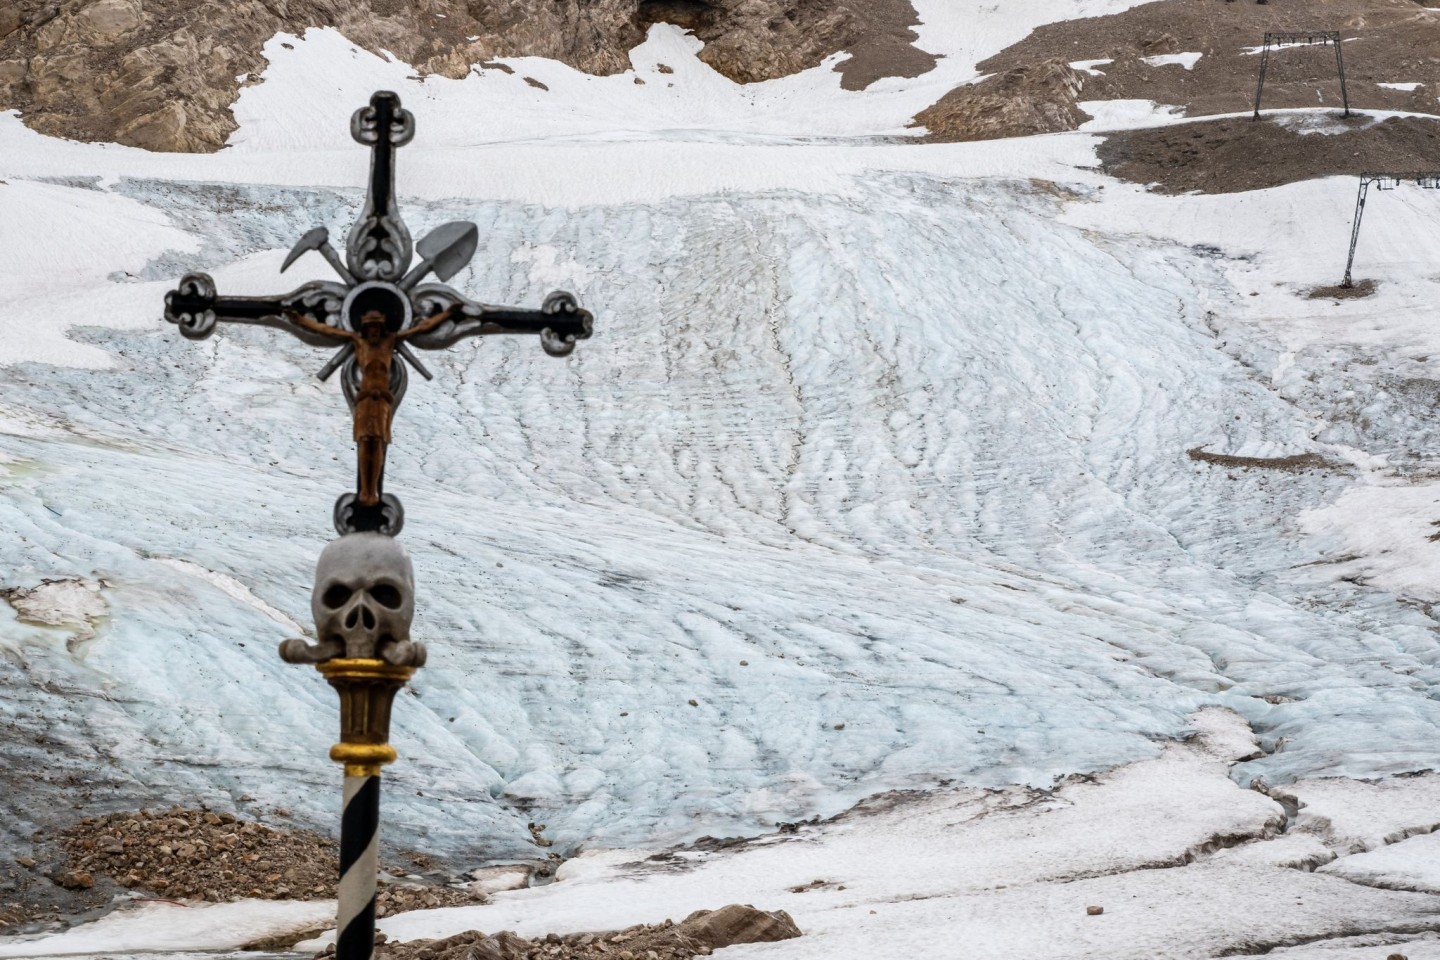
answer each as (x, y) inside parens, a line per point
(363, 603)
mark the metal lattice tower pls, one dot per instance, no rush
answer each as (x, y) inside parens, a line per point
(1425, 180)
(1301, 38)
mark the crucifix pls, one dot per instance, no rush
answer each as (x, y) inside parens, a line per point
(364, 595)
(379, 312)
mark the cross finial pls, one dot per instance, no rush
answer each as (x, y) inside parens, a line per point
(379, 245)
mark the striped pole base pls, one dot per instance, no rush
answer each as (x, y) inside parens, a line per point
(359, 866)
(367, 689)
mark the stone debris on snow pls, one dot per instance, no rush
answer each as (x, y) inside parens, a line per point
(698, 935)
(216, 857)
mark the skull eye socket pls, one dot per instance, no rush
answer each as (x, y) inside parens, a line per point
(335, 596)
(387, 596)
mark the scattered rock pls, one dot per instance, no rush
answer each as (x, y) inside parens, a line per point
(698, 935)
(207, 855)
(1094, 911)
(76, 880)
(1156, 46)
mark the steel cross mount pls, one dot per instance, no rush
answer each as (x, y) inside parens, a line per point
(378, 279)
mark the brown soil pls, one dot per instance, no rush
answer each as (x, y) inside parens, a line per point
(699, 935)
(200, 855)
(1228, 156)
(1355, 291)
(885, 47)
(1396, 41)
(161, 74)
(1295, 463)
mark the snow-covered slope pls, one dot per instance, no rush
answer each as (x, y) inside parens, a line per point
(879, 456)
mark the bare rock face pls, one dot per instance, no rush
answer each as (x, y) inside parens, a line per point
(753, 40)
(162, 74)
(1020, 102)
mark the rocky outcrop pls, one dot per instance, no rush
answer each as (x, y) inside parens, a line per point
(161, 74)
(1017, 103)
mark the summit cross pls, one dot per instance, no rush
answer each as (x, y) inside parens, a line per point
(379, 312)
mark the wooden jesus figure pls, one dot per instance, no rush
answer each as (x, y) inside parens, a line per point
(375, 345)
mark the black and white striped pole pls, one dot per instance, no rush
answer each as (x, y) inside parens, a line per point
(367, 688)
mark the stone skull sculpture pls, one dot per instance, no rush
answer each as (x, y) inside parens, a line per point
(363, 604)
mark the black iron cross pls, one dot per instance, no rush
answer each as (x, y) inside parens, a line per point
(379, 283)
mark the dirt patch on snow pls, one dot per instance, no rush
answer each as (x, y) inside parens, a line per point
(698, 935)
(162, 74)
(1295, 463)
(1355, 291)
(1228, 156)
(1393, 41)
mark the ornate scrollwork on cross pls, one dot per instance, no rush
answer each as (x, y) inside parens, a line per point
(381, 310)
(379, 245)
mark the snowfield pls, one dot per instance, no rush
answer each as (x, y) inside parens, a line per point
(960, 470)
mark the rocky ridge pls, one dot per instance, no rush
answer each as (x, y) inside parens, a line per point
(162, 74)
(1041, 98)
(698, 935)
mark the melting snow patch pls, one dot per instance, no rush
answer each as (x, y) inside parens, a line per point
(60, 603)
(1407, 87)
(232, 588)
(1412, 864)
(1353, 816)
(1088, 66)
(1020, 867)
(1127, 114)
(159, 926)
(1186, 60)
(1388, 532)
(1322, 122)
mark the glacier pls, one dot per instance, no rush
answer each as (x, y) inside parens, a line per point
(917, 456)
